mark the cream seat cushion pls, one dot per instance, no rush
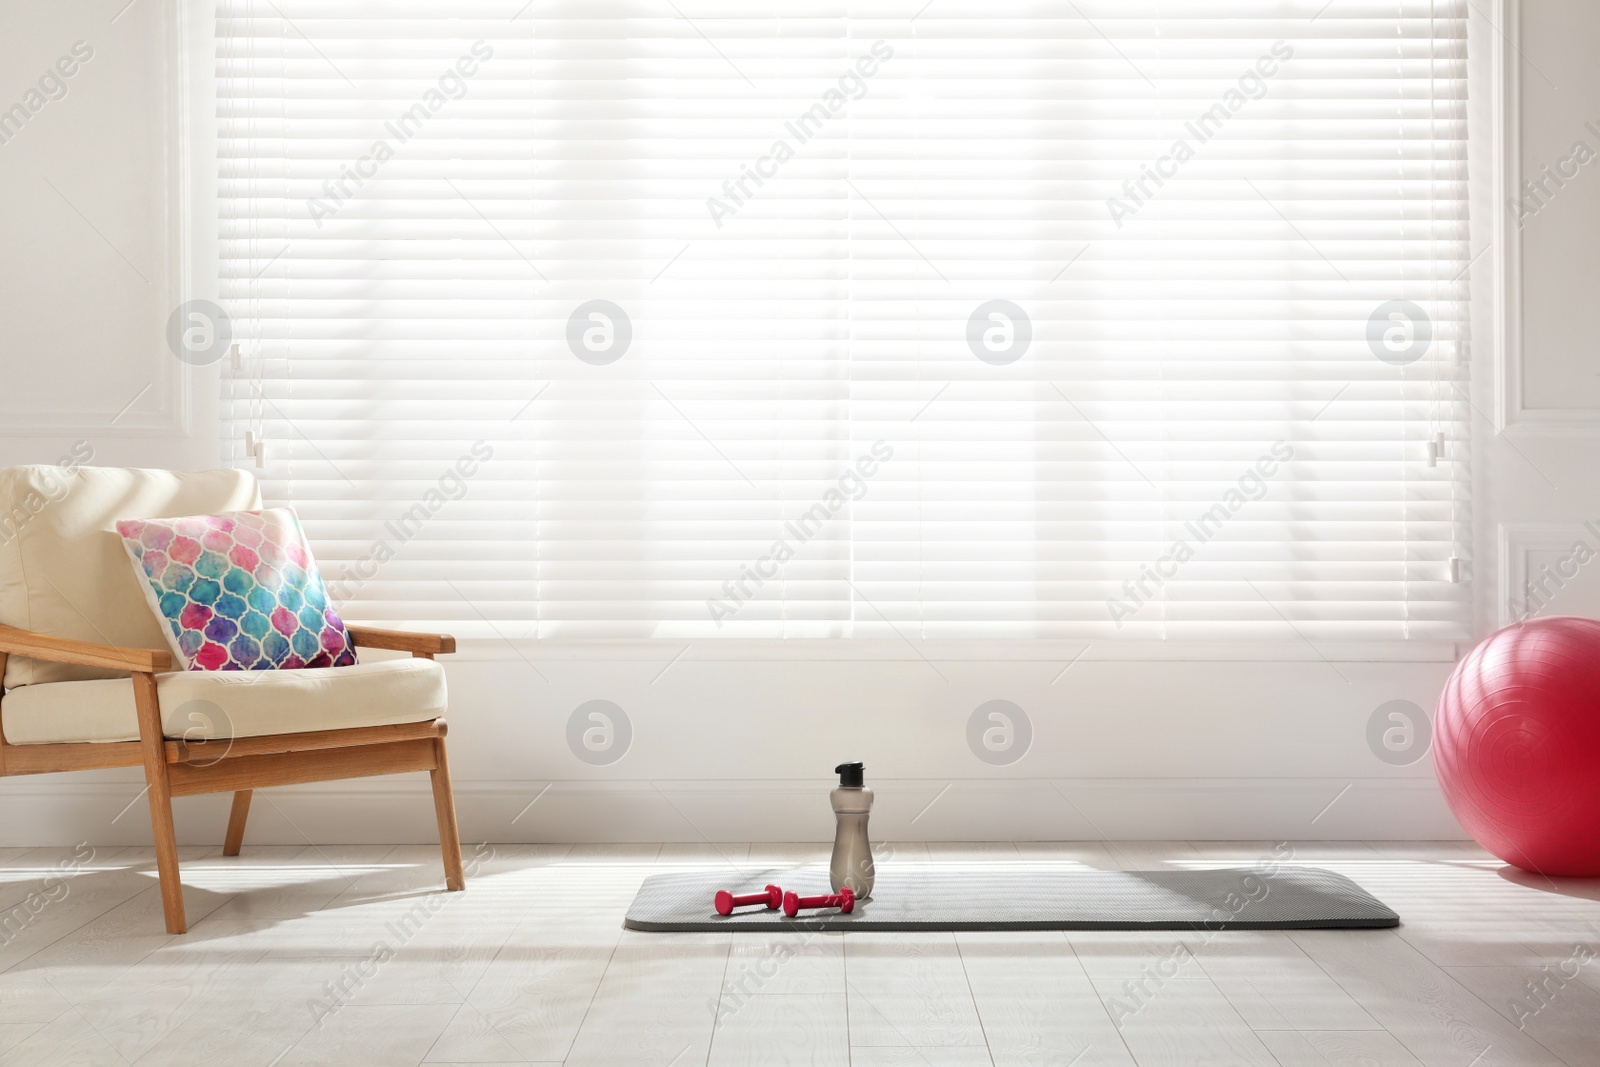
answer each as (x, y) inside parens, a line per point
(207, 704)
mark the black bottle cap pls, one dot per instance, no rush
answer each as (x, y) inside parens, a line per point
(851, 775)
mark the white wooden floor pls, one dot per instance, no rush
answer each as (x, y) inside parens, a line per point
(350, 955)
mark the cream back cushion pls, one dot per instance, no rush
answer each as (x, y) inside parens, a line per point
(63, 571)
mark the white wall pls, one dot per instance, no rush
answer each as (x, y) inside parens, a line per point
(91, 252)
(725, 746)
(1545, 483)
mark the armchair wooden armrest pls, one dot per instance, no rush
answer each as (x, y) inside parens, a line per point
(401, 641)
(83, 653)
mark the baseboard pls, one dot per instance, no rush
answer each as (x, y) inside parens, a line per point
(399, 810)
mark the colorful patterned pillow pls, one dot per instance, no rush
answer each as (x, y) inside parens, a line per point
(238, 591)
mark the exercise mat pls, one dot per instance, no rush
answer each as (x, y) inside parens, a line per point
(1012, 897)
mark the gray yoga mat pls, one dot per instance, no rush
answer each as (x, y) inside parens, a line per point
(1013, 898)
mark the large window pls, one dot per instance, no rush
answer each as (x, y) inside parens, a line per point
(647, 318)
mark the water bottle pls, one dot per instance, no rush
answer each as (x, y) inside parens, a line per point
(852, 852)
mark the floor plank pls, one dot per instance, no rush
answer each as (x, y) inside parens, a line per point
(1556, 1010)
(909, 989)
(67, 1040)
(1337, 1048)
(1183, 1024)
(533, 997)
(1430, 1013)
(908, 1056)
(1077, 855)
(1036, 1003)
(371, 1037)
(1273, 985)
(656, 1003)
(798, 1029)
(810, 961)
(532, 966)
(1154, 855)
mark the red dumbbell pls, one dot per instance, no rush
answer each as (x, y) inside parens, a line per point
(772, 896)
(844, 900)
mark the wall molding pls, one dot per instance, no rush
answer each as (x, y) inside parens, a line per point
(400, 811)
(1516, 541)
(1511, 411)
(170, 378)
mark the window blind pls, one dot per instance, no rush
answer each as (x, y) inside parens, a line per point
(693, 318)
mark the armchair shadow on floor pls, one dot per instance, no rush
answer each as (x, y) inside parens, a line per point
(86, 687)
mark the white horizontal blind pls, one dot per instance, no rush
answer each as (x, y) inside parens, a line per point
(1233, 237)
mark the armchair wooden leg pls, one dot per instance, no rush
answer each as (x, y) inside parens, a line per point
(444, 806)
(153, 749)
(236, 818)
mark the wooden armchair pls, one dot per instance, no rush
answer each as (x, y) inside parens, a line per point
(87, 687)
